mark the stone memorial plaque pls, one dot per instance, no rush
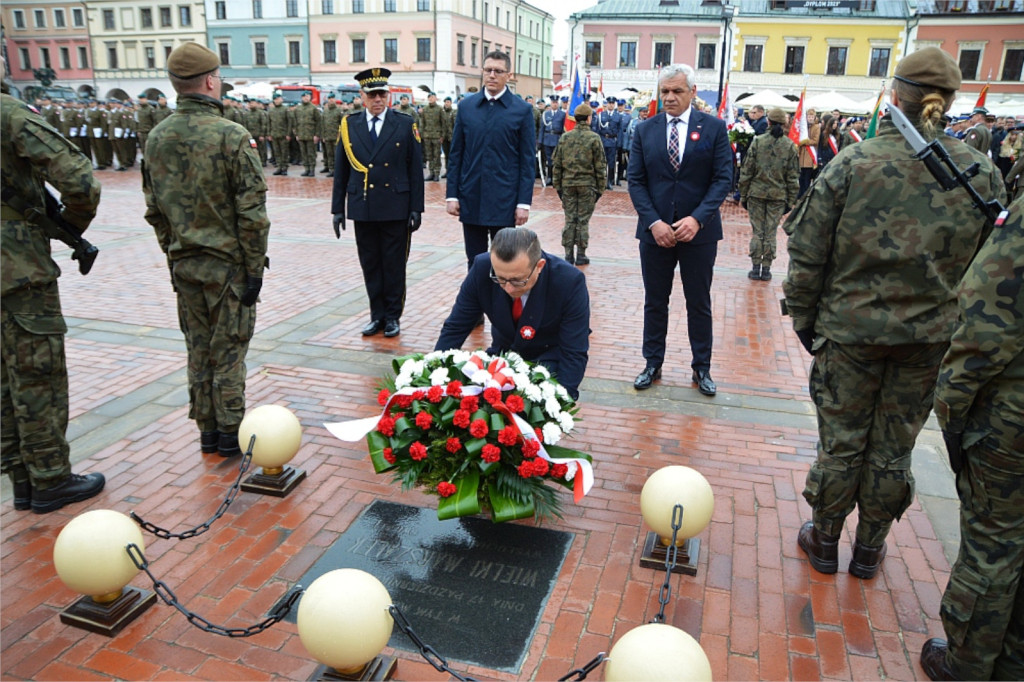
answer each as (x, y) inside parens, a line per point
(472, 589)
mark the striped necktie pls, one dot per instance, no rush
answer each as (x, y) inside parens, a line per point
(673, 144)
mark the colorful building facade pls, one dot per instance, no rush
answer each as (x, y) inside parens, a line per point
(260, 40)
(48, 33)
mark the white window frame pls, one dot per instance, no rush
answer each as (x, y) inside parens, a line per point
(59, 11)
(661, 38)
(978, 45)
(753, 40)
(619, 40)
(18, 17)
(255, 40)
(36, 14)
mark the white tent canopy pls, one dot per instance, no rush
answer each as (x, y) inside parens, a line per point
(826, 102)
(767, 99)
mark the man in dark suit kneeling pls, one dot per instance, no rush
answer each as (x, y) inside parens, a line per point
(537, 303)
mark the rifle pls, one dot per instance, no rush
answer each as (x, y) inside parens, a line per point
(56, 227)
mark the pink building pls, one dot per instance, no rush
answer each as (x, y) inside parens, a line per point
(989, 48)
(48, 34)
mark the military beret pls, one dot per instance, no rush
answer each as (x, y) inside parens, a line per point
(777, 115)
(142, 95)
(277, 93)
(583, 110)
(622, 101)
(192, 59)
(929, 67)
(447, 99)
(331, 95)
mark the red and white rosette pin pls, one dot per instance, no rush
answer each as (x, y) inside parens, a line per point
(695, 136)
(528, 332)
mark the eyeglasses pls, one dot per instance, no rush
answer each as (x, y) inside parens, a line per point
(496, 72)
(514, 283)
(376, 94)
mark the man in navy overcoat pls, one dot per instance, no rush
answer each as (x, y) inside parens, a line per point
(680, 170)
(491, 167)
(549, 297)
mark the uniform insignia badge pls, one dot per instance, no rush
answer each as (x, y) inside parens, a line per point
(694, 136)
(527, 332)
(416, 133)
(376, 73)
(252, 143)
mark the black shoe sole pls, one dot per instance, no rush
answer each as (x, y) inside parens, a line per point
(54, 505)
(22, 503)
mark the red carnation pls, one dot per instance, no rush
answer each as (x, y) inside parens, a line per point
(453, 445)
(526, 468)
(454, 389)
(538, 432)
(490, 453)
(446, 489)
(530, 448)
(382, 397)
(397, 415)
(461, 418)
(478, 429)
(508, 435)
(435, 394)
(540, 466)
(470, 403)
(389, 455)
(515, 403)
(418, 451)
(492, 395)
(423, 420)
(559, 470)
(403, 401)
(386, 425)
(419, 395)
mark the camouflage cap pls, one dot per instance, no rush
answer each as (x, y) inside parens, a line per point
(777, 115)
(583, 110)
(192, 59)
(929, 67)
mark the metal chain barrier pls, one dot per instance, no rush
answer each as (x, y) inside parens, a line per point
(205, 526)
(168, 597)
(670, 563)
(426, 651)
(581, 673)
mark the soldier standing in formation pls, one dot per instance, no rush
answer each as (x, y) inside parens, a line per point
(978, 135)
(552, 126)
(206, 200)
(306, 129)
(447, 126)
(408, 109)
(769, 184)
(255, 122)
(96, 120)
(34, 419)
(280, 133)
(379, 185)
(331, 124)
(876, 249)
(606, 124)
(162, 111)
(979, 401)
(622, 144)
(431, 133)
(143, 121)
(579, 169)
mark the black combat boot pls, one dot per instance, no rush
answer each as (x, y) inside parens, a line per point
(755, 273)
(581, 256)
(74, 488)
(208, 441)
(228, 445)
(822, 550)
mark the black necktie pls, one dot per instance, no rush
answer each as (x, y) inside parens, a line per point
(373, 128)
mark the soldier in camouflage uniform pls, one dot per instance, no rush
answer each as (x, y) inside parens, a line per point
(579, 166)
(206, 200)
(161, 111)
(34, 419)
(408, 109)
(357, 105)
(331, 124)
(769, 183)
(431, 130)
(96, 120)
(306, 129)
(280, 133)
(143, 121)
(447, 128)
(979, 404)
(876, 250)
(255, 122)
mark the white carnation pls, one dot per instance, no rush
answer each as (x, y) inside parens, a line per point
(548, 389)
(542, 370)
(566, 421)
(434, 356)
(560, 390)
(439, 377)
(552, 434)
(531, 392)
(552, 406)
(403, 380)
(459, 357)
(480, 377)
(570, 470)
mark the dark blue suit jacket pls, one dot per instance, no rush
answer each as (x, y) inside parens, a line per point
(395, 165)
(697, 189)
(491, 166)
(557, 311)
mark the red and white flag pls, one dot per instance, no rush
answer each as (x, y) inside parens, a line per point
(798, 128)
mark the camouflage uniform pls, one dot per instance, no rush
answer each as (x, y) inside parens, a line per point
(306, 127)
(579, 167)
(96, 119)
(430, 131)
(280, 129)
(876, 250)
(979, 137)
(256, 123)
(329, 135)
(769, 182)
(144, 122)
(979, 398)
(34, 375)
(206, 200)
(447, 128)
(410, 110)
(160, 112)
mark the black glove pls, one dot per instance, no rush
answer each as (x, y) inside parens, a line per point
(252, 290)
(787, 209)
(339, 224)
(744, 204)
(955, 450)
(414, 221)
(806, 337)
(560, 195)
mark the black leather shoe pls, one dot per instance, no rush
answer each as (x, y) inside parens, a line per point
(766, 274)
(227, 445)
(582, 260)
(373, 328)
(391, 328)
(866, 560)
(74, 488)
(208, 441)
(933, 660)
(22, 495)
(330, 174)
(705, 384)
(822, 551)
(647, 377)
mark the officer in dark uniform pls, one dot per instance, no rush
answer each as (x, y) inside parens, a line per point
(606, 124)
(548, 137)
(379, 175)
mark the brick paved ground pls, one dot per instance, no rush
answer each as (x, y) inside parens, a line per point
(756, 607)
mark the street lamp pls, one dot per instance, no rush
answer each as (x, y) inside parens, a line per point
(728, 12)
